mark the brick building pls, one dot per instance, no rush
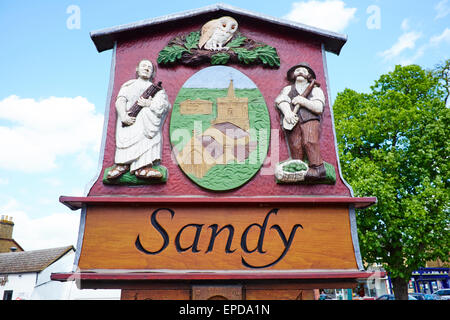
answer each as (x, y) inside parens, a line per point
(7, 243)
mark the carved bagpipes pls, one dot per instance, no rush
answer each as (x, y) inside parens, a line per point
(305, 94)
(150, 92)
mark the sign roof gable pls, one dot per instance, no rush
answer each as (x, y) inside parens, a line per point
(104, 39)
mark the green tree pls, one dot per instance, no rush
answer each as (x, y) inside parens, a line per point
(394, 144)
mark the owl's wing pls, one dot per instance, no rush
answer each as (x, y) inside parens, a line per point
(229, 38)
(207, 32)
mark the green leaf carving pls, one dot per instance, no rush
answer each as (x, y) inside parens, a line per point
(268, 55)
(237, 42)
(192, 40)
(245, 55)
(170, 54)
(220, 58)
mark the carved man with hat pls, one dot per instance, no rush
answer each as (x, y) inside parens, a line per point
(302, 104)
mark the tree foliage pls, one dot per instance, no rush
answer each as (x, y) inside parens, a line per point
(394, 144)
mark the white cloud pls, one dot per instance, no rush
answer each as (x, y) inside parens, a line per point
(329, 14)
(406, 41)
(53, 182)
(405, 25)
(9, 205)
(54, 230)
(418, 54)
(443, 9)
(86, 162)
(41, 131)
(404, 50)
(443, 37)
(77, 192)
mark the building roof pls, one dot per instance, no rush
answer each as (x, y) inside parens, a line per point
(31, 261)
(9, 243)
(104, 39)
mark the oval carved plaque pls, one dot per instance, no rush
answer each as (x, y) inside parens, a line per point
(220, 128)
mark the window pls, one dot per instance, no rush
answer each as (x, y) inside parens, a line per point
(7, 295)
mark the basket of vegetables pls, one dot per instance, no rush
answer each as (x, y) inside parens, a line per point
(291, 171)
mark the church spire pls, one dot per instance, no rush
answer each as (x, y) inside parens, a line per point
(231, 89)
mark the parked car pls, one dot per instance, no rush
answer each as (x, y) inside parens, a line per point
(424, 296)
(392, 297)
(443, 294)
(431, 297)
(418, 296)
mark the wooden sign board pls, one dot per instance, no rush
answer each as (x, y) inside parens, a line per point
(205, 184)
(200, 237)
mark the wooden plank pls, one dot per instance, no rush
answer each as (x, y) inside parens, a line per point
(159, 294)
(228, 276)
(76, 203)
(194, 237)
(302, 285)
(279, 294)
(215, 292)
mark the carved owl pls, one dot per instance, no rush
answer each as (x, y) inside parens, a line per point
(216, 33)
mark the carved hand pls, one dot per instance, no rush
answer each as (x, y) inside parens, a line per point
(144, 102)
(290, 117)
(128, 120)
(300, 100)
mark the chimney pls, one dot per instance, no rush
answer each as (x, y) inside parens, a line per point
(6, 227)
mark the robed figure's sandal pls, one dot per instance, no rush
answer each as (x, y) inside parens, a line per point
(118, 170)
(148, 172)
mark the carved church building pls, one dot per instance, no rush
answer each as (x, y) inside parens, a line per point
(232, 109)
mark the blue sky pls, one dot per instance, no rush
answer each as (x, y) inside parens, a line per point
(219, 77)
(53, 85)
